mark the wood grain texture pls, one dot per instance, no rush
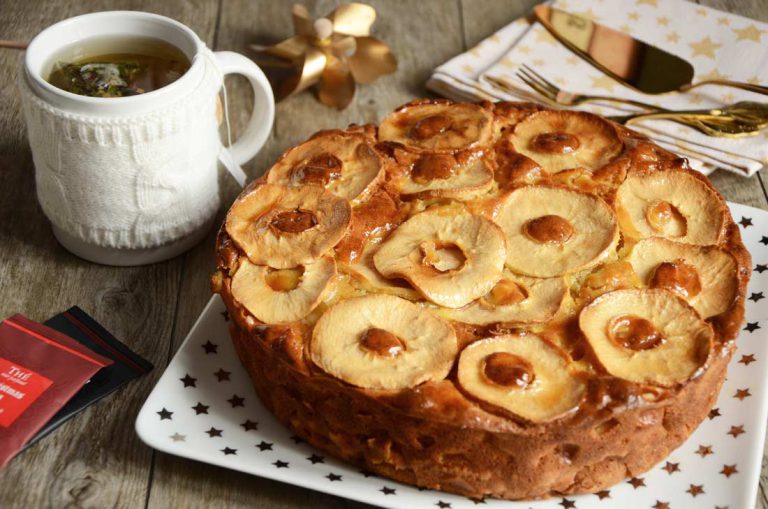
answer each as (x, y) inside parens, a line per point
(96, 460)
(481, 19)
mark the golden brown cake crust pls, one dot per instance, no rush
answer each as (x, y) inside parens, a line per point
(436, 434)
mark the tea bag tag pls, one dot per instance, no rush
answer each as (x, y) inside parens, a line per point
(232, 167)
(225, 156)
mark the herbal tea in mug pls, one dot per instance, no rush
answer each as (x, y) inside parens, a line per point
(117, 66)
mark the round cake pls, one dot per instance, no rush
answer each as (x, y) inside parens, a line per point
(495, 300)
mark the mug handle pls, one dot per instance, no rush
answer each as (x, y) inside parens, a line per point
(250, 142)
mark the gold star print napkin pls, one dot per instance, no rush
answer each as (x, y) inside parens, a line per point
(718, 45)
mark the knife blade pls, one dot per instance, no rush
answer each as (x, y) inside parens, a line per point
(631, 61)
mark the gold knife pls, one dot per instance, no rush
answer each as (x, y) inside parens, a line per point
(635, 63)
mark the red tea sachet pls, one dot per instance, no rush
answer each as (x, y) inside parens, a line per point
(40, 370)
(128, 365)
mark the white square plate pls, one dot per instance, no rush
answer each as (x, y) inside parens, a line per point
(204, 408)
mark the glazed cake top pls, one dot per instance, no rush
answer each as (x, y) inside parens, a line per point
(530, 259)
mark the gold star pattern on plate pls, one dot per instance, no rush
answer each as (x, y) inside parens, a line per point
(715, 412)
(713, 75)
(507, 62)
(634, 16)
(654, 3)
(572, 60)
(704, 450)
(661, 505)
(662, 21)
(701, 12)
(723, 21)
(603, 494)
(637, 482)
(748, 33)
(625, 28)
(545, 37)
(178, 437)
(705, 47)
(741, 394)
(729, 470)
(589, 13)
(467, 68)
(604, 83)
(494, 38)
(747, 359)
(695, 490)
(597, 110)
(695, 99)
(735, 431)
(671, 468)
(526, 49)
(673, 37)
(538, 62)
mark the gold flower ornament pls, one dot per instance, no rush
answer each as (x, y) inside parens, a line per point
(334, 53)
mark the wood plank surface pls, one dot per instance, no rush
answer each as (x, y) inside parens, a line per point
(96, 460)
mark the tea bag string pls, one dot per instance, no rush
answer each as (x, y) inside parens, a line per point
(226, 113)
(225, 156)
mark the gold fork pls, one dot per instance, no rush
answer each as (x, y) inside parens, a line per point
(741, 116)
(562, 97)
(712, 122)
(738, 120)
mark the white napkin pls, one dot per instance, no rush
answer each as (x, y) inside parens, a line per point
(718, 45)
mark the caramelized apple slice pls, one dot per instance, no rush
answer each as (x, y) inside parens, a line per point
(283, 227)
(524, 375)
(647, 336)
(562, 140)
(345, 163)
(462, 176)
(383, 342)
(555, 231)
(705, 276)
(670, 204)
(282, 295)
(438, 125)
(365, 274)
(515, 299)
(452, 258)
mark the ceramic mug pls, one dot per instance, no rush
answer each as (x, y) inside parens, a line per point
(134, 180)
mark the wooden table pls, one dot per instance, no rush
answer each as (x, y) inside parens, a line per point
(96, 459)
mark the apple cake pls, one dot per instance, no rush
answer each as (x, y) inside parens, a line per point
(488, 299)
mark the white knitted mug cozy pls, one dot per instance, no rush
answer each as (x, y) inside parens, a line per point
(135, 183)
